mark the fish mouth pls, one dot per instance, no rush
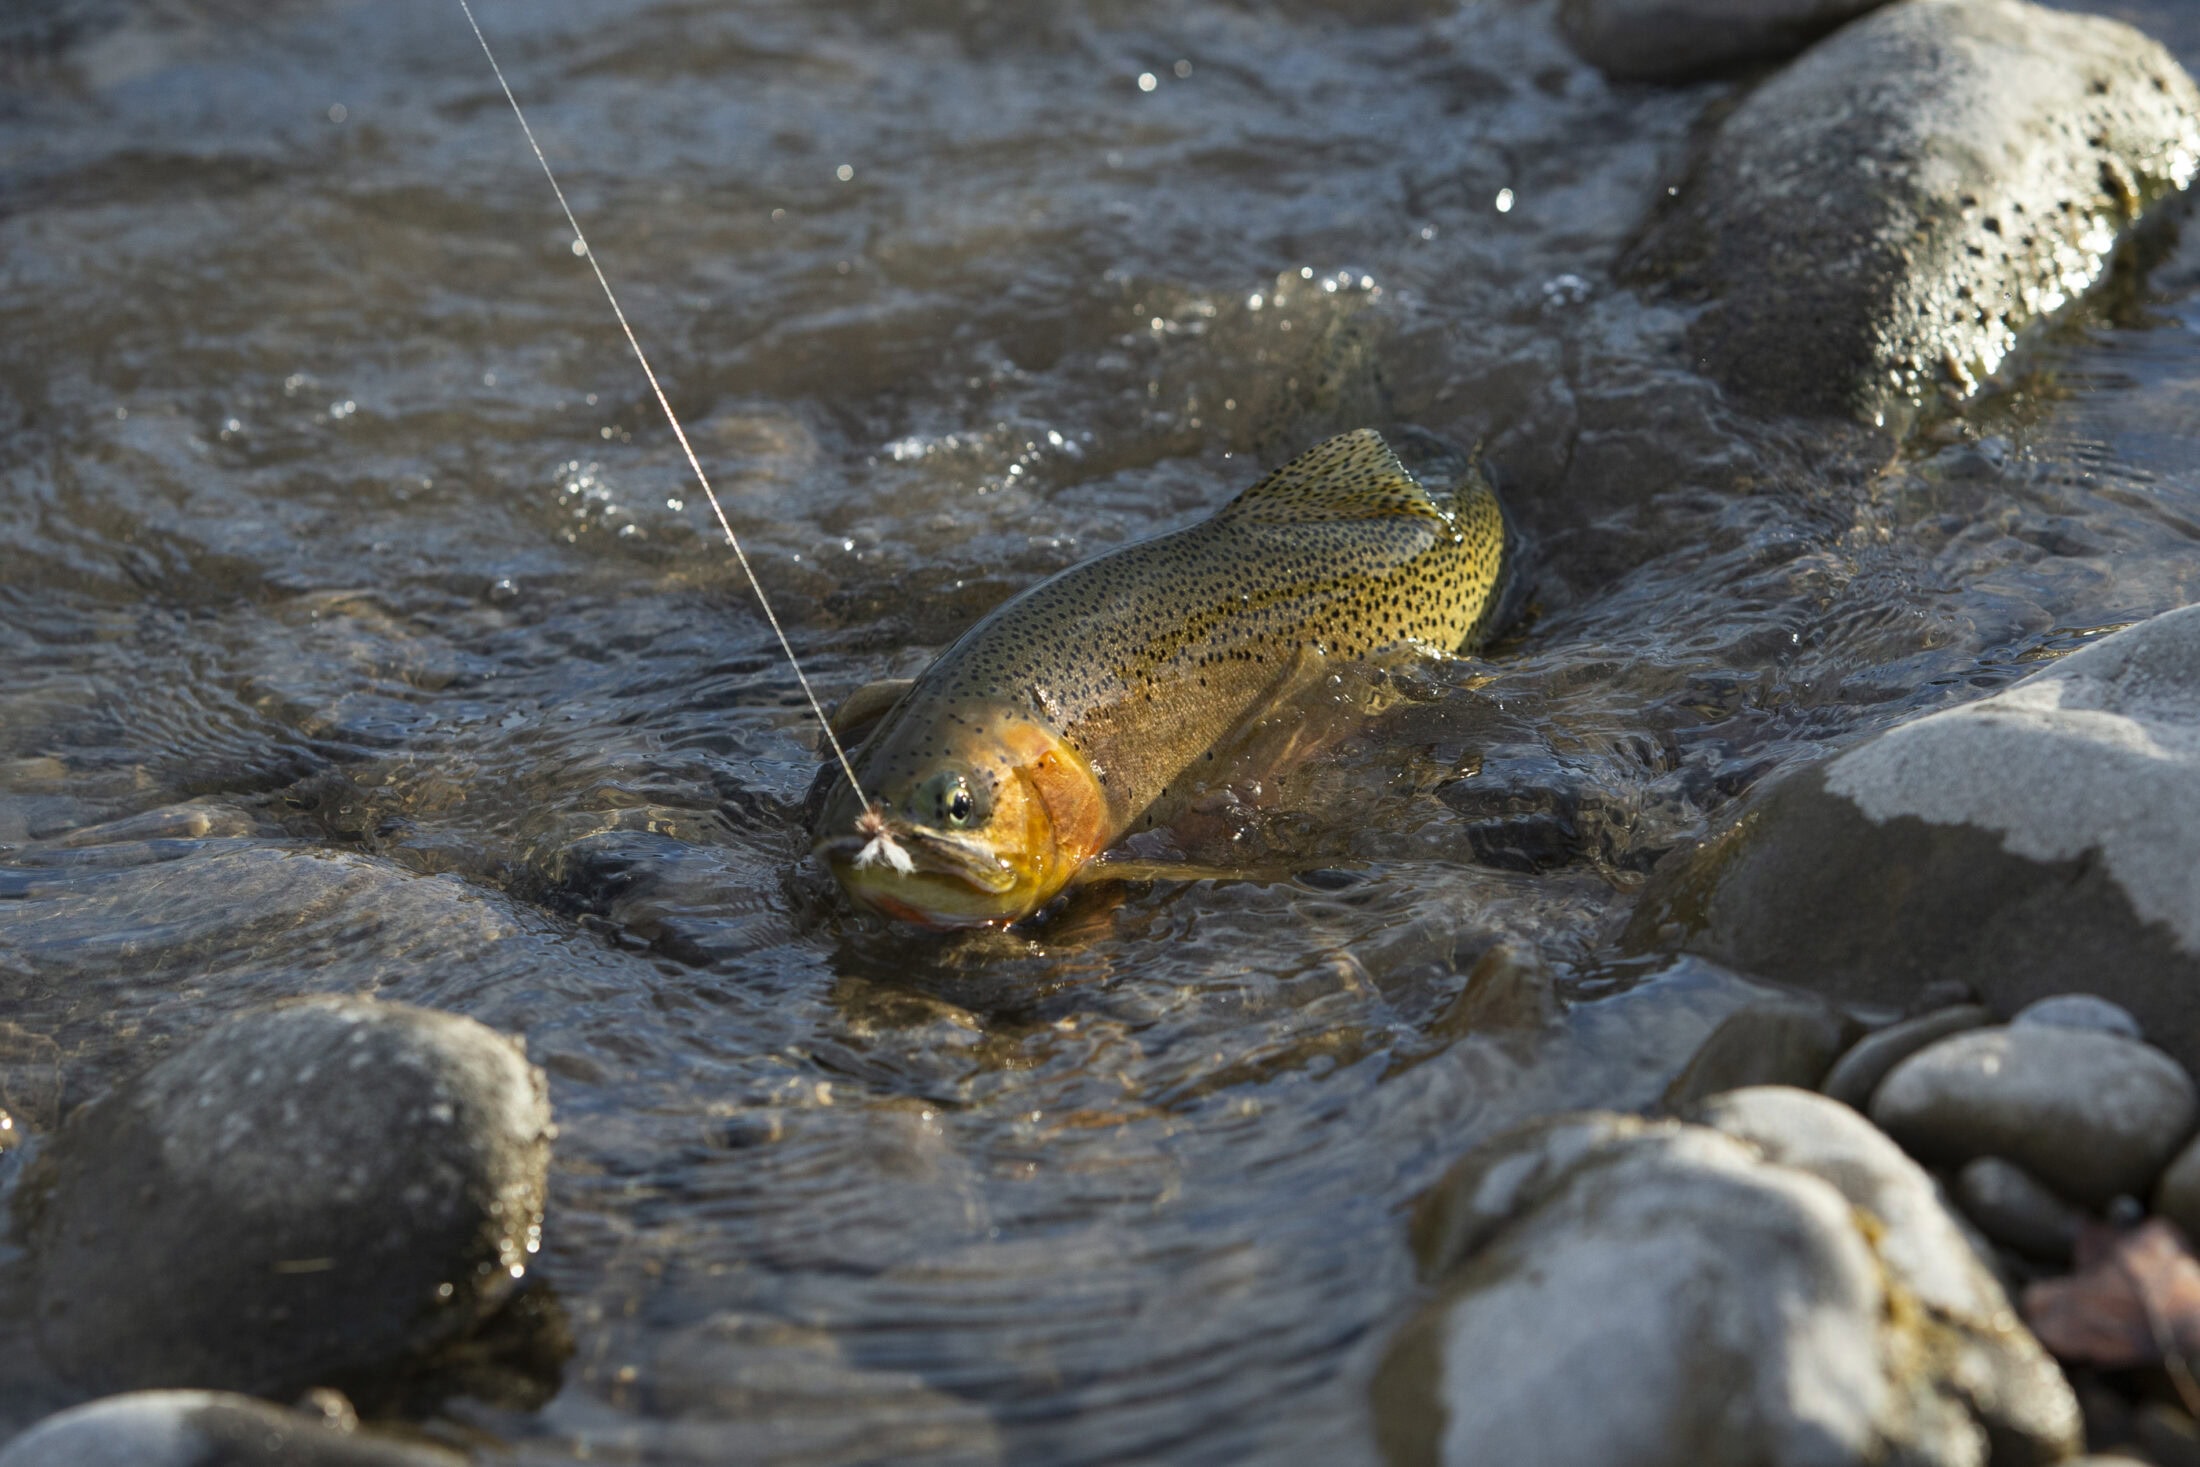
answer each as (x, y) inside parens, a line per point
(937, 853)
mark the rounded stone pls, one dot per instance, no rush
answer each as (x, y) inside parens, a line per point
(312, 1189)
(1923, 1242)
(1857, 1074)
(1882, 221)
(206, 1429)
(1788, 1040)
(2177, 1195)
(1732, 1312)
(2092, 1115)
(2050, 829)
(2010, 1206)
(2078, 1011)
(1671, 40)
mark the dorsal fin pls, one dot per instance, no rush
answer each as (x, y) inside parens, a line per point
(1353, 476)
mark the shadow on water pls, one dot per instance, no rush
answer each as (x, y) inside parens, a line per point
(362, 634)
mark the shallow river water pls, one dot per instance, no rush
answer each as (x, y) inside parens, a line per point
(359, 630)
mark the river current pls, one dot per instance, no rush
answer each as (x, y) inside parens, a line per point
(360, 630)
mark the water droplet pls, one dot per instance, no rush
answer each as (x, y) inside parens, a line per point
(580, 248)
(1182, 69)
(1504, 201)
(1147, 81)
(845, 172)
(337, 112)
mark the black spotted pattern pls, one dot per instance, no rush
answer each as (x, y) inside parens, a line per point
(1145, 657)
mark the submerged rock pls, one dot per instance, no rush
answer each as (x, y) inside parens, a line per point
(2092, 1115)
(1883, 220)
(306, 1191)
(1722, 1295)
(207, 1429)
(2047, 832)
(1671, 40)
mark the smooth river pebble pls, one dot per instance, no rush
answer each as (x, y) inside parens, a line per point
(2090, 1114)
(2078, 1011)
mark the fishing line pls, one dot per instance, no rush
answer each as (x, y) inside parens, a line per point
(882, 846)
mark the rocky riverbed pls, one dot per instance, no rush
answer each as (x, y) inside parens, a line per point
(1740, 1016)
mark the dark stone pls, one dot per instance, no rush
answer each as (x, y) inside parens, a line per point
(1672, 40)
(1857, 1074)
(2092, 1115)
(1788, 1042)
(305, 1192)
(2011, 1207)
(1883, 220)
(1523, 809)
(2014, 844)
(209, 1429)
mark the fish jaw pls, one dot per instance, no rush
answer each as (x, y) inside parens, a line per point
(1049, 819)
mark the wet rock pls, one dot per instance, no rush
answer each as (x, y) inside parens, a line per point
(305, 1191)
(1790, 1041)
(207, 1429)
(2051, 829)
(2078, 1011)
(1523, 808)
(2177, 1195)
(1857, 1074)
(1670, 40)
(1882, 221)
(1729, 1309)
(2010, 1206)
(747, 1387)
(1510, 989)
(2092, 1115)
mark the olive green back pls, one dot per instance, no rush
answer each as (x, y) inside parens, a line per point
(1145, 657)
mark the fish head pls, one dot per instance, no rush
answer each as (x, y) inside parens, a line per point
(978, 828)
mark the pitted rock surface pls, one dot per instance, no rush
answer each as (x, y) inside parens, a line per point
(1730, 1307)
(1882, 222)
(2043, 836)
(310, 1190)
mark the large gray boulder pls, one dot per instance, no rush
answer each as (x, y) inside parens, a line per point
(1883, 220)
(208, 1429)
(1779, 1289)
(303, 1192)
(2039, 840)
(1671, 40)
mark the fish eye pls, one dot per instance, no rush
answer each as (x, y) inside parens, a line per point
(948, 799)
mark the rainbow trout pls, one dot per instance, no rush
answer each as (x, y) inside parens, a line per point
(1046, 733)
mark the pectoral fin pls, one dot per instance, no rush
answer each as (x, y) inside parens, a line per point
(1130, 868)
(861, 710)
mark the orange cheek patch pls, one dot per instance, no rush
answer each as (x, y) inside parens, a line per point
(1067, 791)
